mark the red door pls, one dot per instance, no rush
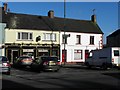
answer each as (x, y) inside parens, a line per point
(86, 54)
(64, 55)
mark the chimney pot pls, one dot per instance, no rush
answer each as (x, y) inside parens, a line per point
(5, 7)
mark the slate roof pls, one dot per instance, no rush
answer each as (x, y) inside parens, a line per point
(114, 34)
(38, 22)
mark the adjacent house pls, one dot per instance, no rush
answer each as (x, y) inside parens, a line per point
(2, 34)
(69, 39)
(113, 40)
(82, 37)
(29, 35)
(2, 37)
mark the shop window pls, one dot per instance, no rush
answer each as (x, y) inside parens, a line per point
(55, 52)
(77, 54)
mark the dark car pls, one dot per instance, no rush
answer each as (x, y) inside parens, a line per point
(5, 65)
(23, 61)
(46, 63)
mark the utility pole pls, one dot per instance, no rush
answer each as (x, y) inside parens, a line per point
(64, 31)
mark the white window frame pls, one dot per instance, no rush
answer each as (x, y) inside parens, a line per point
(49, 36)
(21, 38)
(78, 54)
(78, 39)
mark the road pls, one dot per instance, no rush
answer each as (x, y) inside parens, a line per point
(83, 78)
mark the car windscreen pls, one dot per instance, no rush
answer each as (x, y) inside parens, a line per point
(49, 58)
(116, 52)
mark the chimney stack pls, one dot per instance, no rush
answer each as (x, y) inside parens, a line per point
(51, 14)
(5, 7)
(93, 18)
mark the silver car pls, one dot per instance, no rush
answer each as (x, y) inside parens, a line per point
(46, 63)
(23, 61)
(4, 65)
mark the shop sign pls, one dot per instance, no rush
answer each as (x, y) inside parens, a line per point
(42, 50)
(28, 50)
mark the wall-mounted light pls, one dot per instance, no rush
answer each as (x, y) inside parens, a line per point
(38, 38)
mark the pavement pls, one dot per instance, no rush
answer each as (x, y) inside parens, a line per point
(66, 65)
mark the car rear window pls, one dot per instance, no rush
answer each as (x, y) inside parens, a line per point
(3, 58)
(49, 58)
(24, 57)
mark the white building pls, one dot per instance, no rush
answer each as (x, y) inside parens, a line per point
(82, 37)
(79, 44)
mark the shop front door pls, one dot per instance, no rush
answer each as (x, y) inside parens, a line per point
(15, 54)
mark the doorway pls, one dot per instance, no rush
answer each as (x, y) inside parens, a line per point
(86, 54)
(64, 55)
(15, 54)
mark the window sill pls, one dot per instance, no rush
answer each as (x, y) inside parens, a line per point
(91, 44)
(49, 40)
(78, 43)
(24, 40)
(64, 43)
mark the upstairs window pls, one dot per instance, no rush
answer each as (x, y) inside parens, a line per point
(64, 39)
(91, 40)
(25, 36)
(78, 39)
(49, 36)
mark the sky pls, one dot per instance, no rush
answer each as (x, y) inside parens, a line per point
(106, 12)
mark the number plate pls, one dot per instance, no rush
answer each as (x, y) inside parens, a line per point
(52, 63)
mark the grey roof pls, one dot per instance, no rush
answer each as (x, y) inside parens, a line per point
(37, 22)
(114, 34)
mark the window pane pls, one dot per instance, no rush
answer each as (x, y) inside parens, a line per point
(91, 39)
(18, 35)
(48, 36)
(55, 52)
(64, 39)
(30, 36)
(77, 54)
(24, 35)
(78, 38)
(116, 53)
(53, 37)
(44, 36)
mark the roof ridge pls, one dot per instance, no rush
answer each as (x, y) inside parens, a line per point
(116, 32)
(47, 16)
(23, 14)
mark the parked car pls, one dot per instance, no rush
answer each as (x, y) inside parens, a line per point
(46, 63)
(23, 61)
(5, 66)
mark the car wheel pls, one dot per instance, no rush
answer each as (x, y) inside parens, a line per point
(56, 70)
(88, 66)
(118, 68)
(8, 73)
(104, 66)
